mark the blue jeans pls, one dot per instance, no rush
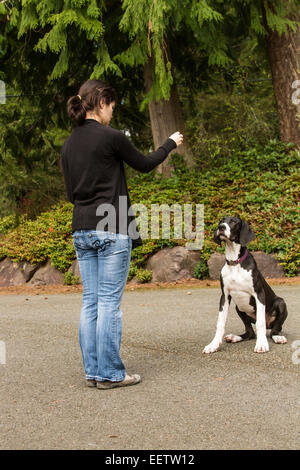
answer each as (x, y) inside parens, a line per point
(104, 260)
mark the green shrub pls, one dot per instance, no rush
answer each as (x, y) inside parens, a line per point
(9, 223)
(259, 184)
(70, 279)
(201, 270)
(132, 272)
(143, 275)
(224, 123)
(46, 237)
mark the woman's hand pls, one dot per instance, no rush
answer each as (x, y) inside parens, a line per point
(177, 137)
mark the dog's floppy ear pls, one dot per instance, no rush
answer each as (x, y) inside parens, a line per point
(246, 234)
(217, 238)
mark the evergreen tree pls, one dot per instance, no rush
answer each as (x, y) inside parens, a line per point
(83, 37)
(284, 55)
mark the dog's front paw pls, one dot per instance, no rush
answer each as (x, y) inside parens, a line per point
(262, 345)
(279, 339)
(233, 338)
(212, 347)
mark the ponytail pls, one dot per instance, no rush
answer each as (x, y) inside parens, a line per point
(76, 110)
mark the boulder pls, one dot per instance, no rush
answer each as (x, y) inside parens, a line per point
(11, 274)
(215, 264)
(267, 264)
(172, 264)
(29, 269)
(74, 269)
(47, 274)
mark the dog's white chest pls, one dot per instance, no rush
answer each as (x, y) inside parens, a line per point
(239, 285)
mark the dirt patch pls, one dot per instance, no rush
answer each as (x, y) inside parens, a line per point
(186, 283)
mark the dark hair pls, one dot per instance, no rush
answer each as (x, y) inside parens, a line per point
(88, 98)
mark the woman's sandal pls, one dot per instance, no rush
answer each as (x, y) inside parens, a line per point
(129, 380)
(91, 382)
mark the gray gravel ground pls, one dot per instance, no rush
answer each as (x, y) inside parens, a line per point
(232, 399)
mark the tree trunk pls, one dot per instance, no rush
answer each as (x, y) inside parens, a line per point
(166, 118)
(284, 57)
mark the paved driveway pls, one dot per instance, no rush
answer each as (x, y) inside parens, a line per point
(233, 399)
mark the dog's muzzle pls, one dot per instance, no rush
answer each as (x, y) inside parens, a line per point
(223, 230)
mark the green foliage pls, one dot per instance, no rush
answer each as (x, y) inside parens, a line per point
(229, 120)
(64, 19)
(30, 178)
(46, 237)
(70, 279)
(132, 271)
(143, 275)
(226, 122)
(201, 270)
(148, 28)
(259, 185)
(276, 17)
(9, 223)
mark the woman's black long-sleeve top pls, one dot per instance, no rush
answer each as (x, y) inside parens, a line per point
(93, 169)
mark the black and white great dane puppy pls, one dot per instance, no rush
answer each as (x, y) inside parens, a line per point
(242, 281)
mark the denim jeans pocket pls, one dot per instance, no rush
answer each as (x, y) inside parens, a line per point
(112, 243)
(79, 241)
(103, 241)
(107, 243)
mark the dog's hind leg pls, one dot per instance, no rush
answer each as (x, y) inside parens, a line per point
(281, 314)
(249, 334)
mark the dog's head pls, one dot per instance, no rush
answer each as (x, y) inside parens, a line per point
(234, 230)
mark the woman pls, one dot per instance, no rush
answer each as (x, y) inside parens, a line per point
(92, 163)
